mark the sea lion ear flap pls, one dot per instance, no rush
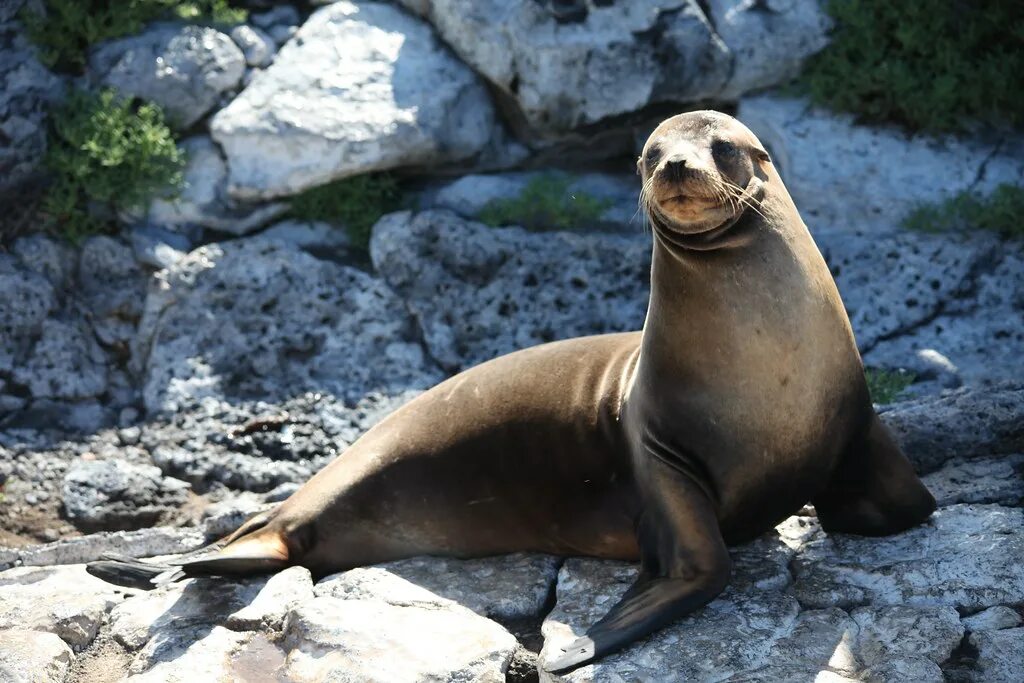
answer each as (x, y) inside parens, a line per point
(762, 155)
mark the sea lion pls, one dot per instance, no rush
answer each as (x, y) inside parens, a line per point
(742, 399)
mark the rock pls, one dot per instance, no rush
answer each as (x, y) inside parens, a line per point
(1000, 655)
(61, 600)
(56, 261)
(478, 292)
(849, 178)
(261, 319)
(115, 494)
(184, 69)
(966, 423)
(157, 247)
(361, 88)
(901, 632)
(252, 603)
(66, 362)
(221, 518)
(204, 201)
(318, 238)
(979, 333)
(256, 45)
(993, 619)
(914, 669)
(280, 15)
(113, 287)
(967, 557)
(33, 657)
(141, 543)
(184, 656)
(891, 284)
(370, 640)
(503, 588)
(985, 480)
(560, 69)
(28, 92)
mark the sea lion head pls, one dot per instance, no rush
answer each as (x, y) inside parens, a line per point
(701, 171)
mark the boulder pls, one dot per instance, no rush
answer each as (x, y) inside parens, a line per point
(256, 318)
(256, 45)
(1000, 658)
(993, 619)
(116, 494)
(986, 480)
(361, 88)
(565, 65)
(478, 292)
(200, 654)
(184, 69)
(846, 177)
(33, 657)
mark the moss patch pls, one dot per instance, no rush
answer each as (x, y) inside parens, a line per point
(106, 154)
(932, 65)
(546, 203)
(999, 212)
(66, 28)
(887, 385)
(357, 203)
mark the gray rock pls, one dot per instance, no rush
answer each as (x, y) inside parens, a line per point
(563, 70)
(33, 657)
(1000, 655)
(910, 670)
(203, 654)
(901, 632)
(892, 284)
(113, 287)
(184, 69)
(56, 261)
(260, 318)
(993, 619)
(65, 362)
(985, 480)
(280, 15)
(966, 423)
(115, 494)
(141, 543)
(503, 588)
(27, 93)
(313, 236)
(157, 247)
(65, 601)
(966, 556)
(361, 88)
(204, 201)
(478, 292)
(256, 45)
(370, 640)
(979, 333)
(849, 178)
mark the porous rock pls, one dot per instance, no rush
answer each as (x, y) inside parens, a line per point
(255, 319)
(116, 494)
(33, 657)
(993, 619)
(256, 45)
(199, 654)
(1000, 655)
(371, 640)
(847, 177)
(141, 543)
(184, 69)
(965, 556)
(361, 88)
(999, 479)
(478, 292)
(65, 601)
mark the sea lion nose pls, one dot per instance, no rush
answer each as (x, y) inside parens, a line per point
(675, 167)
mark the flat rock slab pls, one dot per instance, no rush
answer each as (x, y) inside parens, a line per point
(478, 292)
(502, 588)
(33, 657)
(263, 319)
(985, 480)
(370, 640)
(1000, 655)
(359, 88)
(65, 601)
(853, 178)
(141, 543)
(966, 556)
(198, 654)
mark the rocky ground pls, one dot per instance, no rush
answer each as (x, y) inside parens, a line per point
(159, 385)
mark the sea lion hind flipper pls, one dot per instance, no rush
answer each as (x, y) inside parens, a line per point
(685, 564)
(874, 490)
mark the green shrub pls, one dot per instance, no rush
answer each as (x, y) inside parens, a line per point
(999, 212)
(67, 28)
(104, 154)
(356, 202)
(546, 203)
(887, 385)
(932, 65)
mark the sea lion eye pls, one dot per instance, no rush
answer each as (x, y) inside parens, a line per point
(723, 149)
(653, 153)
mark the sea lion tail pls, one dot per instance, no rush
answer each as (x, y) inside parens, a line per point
(252, 549)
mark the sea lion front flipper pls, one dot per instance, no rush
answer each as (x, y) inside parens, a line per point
(874, 491)
(684, 565)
